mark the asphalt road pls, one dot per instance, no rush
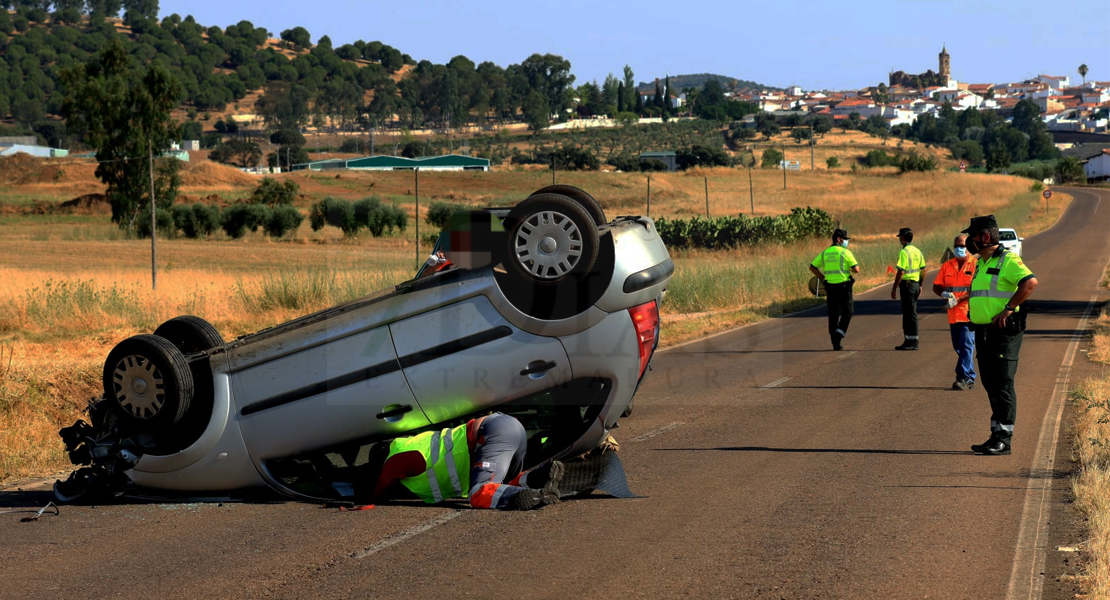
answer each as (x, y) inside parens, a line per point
(771, 467)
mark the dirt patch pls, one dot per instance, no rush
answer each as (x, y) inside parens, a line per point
(24, 169)
(88, 204)
(208, 174)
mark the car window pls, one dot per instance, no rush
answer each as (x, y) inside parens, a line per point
(1007, 236)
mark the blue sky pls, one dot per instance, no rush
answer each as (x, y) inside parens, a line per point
(826, 45)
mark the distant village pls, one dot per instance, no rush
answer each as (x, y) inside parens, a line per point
(1064, 107)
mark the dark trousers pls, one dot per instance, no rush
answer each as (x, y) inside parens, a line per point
(998, 363)
(909, 291)
(838, 297)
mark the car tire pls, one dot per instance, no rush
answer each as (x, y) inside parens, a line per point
(147, 382)
(190, 334)
(580, 196)
(628, 409)
(550, 239)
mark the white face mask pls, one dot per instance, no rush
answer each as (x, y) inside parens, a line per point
(960, 252)
(843, 243)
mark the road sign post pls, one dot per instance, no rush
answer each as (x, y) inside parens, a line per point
(963, 166)
(1047, 194)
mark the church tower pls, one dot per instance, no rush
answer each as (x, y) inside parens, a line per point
(945, 64)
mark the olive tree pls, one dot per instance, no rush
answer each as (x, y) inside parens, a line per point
(126, 116)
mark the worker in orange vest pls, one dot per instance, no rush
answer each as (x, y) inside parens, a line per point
(954, 284)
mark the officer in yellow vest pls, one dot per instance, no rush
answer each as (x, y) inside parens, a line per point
(481, 460)
(1002, 283)
(911, 272)
(834, 268)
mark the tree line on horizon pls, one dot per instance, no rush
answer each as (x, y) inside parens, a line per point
(351, 87)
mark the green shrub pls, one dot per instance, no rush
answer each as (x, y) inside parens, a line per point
(335, 212)
(238, 218)
(283, 219)
(164, 222)
(368, 214)
(878, 158)
(184, 220)
(395, 217)
(916, 162)
(439, 212)
(575, 158)
(626, 162)
(772, 158)
(731, 232)
(207, 218)
(832, 162)
(271, 193)
(702, 156)
(196, 221)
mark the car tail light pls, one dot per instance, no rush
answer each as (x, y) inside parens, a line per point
(646, 319)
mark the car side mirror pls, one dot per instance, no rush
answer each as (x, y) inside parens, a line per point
(1021, 239)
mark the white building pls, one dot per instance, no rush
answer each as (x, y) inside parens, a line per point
(1053, 81)
(1098, 167)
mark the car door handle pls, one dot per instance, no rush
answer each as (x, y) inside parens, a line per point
(394, 411)
(538, 366)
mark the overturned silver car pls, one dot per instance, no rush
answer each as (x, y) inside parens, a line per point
(546, 311)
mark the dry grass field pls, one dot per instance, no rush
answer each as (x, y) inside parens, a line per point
(72, 285)
(1091, 487)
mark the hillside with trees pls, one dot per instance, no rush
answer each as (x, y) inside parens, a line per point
(291, 82)
(697, 82)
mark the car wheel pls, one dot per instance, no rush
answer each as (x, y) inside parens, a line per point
(190, 334)
(551, 238)
(628, 409)
(580, 196)
(148, 382)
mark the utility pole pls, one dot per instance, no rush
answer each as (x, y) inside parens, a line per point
(153, 221)
(649, 196)
(416, 172)
(812, 142)
(553, 169)
(784, 165)
(751, 192)
(706, 196)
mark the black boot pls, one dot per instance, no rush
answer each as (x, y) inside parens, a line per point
(978, 448)
(529, 499)
(998, 448)
(907, 345)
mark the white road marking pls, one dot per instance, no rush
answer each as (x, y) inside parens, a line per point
(777, 382)
(846, 355)
(1027, 576)
(656, 432)
(406, 534)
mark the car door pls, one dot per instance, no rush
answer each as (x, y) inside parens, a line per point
(349, 387)
(465, 357)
